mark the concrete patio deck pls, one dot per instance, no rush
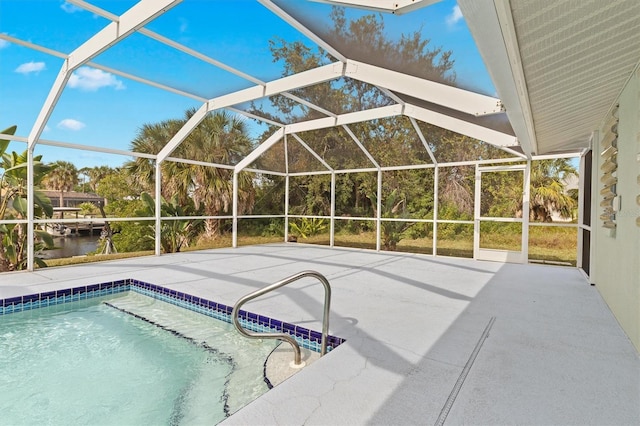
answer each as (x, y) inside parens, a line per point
(430, 340)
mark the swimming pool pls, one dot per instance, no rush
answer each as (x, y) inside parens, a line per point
(128, 352)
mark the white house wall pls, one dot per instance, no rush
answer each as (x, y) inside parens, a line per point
(616, 255)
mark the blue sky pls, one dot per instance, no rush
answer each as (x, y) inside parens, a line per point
(102, 109)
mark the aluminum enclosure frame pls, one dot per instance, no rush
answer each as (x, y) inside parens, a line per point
(388, 81)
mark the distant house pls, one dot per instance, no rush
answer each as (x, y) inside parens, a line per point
(73, 198)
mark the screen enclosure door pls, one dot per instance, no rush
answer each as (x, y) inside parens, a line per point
(501, 228)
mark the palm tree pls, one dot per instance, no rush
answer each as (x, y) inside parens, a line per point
(63, 177)
(220, 138)
(548, 193)
(502, 192)
(95, 175)
(151, 138)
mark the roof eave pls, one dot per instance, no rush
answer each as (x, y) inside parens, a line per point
(492, 28)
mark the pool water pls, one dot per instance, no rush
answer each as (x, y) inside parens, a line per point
(125, 359)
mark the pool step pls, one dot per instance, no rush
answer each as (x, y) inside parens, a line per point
(247, 379)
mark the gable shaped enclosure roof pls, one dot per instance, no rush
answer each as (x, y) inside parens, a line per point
(554, 72)
(121, 27)
(546, 92)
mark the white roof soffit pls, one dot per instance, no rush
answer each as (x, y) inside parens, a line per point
(497, 43)
(568, 64)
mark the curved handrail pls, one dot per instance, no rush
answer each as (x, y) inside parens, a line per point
(284, 336)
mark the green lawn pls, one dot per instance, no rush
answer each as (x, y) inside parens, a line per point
(546, 244)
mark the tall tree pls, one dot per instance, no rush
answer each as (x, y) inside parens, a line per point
(122, 200)
(62, 177)
(95, 175)
(390, 141)
(221, 139)
(151, 138)
(117, 186)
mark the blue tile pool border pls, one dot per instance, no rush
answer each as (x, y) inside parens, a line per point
(309, 339)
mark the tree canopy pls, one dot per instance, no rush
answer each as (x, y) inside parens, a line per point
(62, 177)
(390, 141)
(220, 139)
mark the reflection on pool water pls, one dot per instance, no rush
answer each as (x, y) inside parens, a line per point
(125, 359)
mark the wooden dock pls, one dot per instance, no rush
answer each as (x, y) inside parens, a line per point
(78, 228)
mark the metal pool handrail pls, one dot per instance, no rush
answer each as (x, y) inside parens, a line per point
(284, 336)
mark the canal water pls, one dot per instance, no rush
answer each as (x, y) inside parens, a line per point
(71, 246)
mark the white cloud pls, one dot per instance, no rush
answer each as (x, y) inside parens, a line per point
(91, 79)
(455, 16)
(29, 67)
(70, 124)
(70, 8)
(3, 43)
(184, 25)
